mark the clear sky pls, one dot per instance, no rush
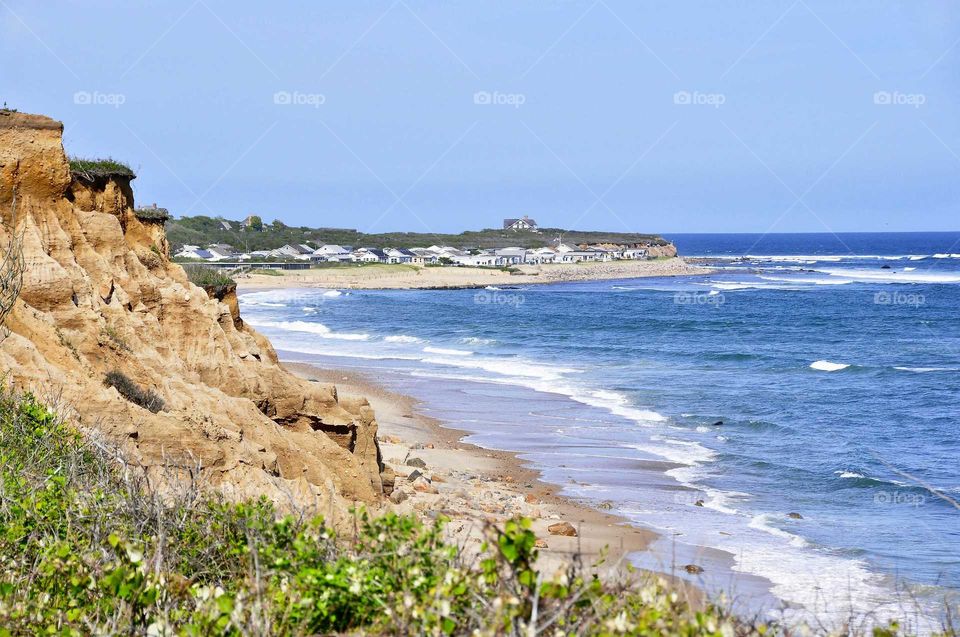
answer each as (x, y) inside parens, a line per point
(665, 116)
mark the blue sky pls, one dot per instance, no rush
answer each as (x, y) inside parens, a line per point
(681, 116)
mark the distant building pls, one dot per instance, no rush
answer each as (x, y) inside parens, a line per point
(194, 252)
(524, 223)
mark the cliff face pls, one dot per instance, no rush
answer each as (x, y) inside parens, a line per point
(100, 294)
(668, 250)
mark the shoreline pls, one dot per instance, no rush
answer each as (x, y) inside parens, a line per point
(401, 277)
(506, 478)
(476, 486)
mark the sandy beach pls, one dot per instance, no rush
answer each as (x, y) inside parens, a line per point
(474, 486)
(382, 276)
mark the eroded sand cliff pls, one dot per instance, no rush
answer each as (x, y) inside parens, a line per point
(100, 294)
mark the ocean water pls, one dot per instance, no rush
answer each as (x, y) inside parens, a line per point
(833, 363)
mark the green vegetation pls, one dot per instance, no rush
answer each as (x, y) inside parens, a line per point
(133, 392)
(88, 547)
(207, 230)
(152, 214)
(213, 280)
(93, 169)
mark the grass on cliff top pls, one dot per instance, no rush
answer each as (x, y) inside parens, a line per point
(152, 214)
(91, 169)
(207, 277)
(87, 546)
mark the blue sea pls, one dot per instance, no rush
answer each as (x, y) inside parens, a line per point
(832, 362)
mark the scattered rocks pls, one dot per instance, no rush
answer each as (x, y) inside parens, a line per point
(422, 485)
(794, 515)
(414, 475)
(698, 503)
(606, 505)
(693, 569)
(718, 423)
(562, 528)
(416, 462)
(393, 440)
(436, 478)
(398, 496)
(540, 544)
(531, 499)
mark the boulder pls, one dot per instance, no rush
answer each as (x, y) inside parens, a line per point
(562, 528)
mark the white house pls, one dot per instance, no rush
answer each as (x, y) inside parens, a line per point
(294, 251)
(577, 256)
(193, 252)
(476, 260)
(219, 254)
(423, 256)
(331, 250)
(635, 253)
(398, 256)
(510, 256)
(541, 255)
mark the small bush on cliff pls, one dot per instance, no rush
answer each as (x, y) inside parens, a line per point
(152, 214)
(133, 392)
(93, 169)
(215, 282)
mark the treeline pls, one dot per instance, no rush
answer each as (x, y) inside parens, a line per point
(203, 231)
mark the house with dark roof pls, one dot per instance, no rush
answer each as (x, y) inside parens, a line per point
(524, 223)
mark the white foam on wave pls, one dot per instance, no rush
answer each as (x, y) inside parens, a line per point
(809, 280)
(332, 294)
(827, 587)
(848, 474)
(927, 370)
(683, 452)
(550, 379)
(827, 366)
(892, 276)
(402, 338)
(447, 352)
(318, 329)
(475, 340)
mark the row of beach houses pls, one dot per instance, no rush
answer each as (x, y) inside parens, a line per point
(434, 255)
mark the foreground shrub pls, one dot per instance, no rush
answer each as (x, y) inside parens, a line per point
(133, 392)
(87, 547)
